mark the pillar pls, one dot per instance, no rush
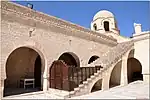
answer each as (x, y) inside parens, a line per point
(124, 74)
(105, 80)
(146, 78)
(45, 79)
(45, 83)
(2, 88)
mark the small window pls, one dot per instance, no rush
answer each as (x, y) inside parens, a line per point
(106, 25)
(95, 27)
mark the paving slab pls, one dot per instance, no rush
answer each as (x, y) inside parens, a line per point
(135, 90)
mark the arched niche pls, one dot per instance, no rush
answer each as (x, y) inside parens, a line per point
(70, 59)
(23, 63)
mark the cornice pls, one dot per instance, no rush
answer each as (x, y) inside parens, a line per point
(140, 39)
(141, 34)
(53, 21)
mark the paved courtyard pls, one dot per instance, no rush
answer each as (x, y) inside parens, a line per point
(35, 95)
(135, 90)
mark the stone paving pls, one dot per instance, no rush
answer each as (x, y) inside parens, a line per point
(35, 95)
(135, 90)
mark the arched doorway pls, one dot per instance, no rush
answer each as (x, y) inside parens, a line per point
(134, 70)
(115, 77)
(93, 58)
(106, 25)
(70, 59)
(97, 86)
(23, 63)
(59, 72)
(58, 78)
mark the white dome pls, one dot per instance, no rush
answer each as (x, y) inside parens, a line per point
(103, 13)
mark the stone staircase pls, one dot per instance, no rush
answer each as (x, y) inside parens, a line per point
(106, 61)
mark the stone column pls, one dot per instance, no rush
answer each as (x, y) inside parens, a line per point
(105, 81)
(45, 83)
(146, 78)
(2, 88)
(45, 79)
(124, 75)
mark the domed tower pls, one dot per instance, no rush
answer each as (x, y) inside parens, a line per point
(104, 22)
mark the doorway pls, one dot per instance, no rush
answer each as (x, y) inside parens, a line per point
(23, 63)
(134, 70)
(106, 25)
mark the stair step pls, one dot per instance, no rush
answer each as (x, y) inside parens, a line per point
(77, 89)
(85, 82)
(98, 71)
(89, 79)
(95, 74)
(72, 92)
(92, 76)
(81, 85)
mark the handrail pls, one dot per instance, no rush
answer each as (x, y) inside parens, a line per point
(79, 74)
(69, 77)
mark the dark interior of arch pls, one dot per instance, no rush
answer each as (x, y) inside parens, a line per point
(106, 25)
(134, 70)
(68, 59)
(93, 58)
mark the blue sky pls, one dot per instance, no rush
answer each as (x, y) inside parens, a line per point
(82, 12)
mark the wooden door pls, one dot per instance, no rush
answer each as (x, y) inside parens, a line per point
(58, 75)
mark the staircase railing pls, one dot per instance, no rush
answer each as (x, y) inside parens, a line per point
(65, 77)
(76, 75)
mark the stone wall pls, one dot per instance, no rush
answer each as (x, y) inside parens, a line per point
(48, 40)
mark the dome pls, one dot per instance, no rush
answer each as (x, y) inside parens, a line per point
(103, 13)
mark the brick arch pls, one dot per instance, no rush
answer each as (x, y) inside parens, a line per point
(131, 53)
(33, 46)
(94, 82)
(105, 80)
(97, 86)
(132, 58)
(73, 58)
(23, 71)
(127, 55)
(134, 70)
(115, 77)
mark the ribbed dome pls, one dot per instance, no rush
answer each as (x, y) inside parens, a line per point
(103, 13)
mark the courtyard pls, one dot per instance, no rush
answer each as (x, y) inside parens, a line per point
(134, 90)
